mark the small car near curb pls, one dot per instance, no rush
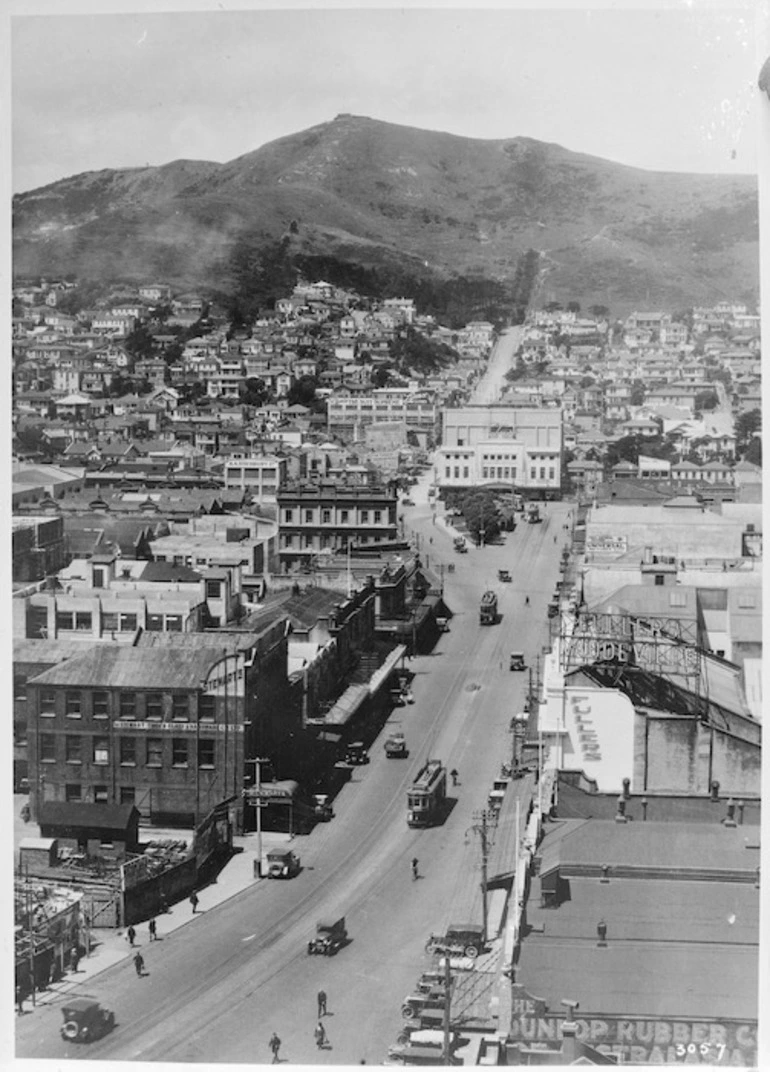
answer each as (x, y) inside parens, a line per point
(85, 1020)
(395, 746)
(282, 863)
(330, 937)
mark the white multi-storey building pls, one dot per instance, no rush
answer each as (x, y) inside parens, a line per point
(501, 445)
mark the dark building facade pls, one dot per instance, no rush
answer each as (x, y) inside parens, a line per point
(170, 727)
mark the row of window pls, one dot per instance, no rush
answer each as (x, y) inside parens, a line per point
(308, 517)
(97, 750)
(113, 622)
(128, 705)
(501, 472)
(313, 543)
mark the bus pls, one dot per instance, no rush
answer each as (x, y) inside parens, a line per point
(427, 794)
(488, 609)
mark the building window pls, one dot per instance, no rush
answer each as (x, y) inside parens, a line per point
(364, 517)
(101, 750)
(128, 751)
(213, 589)
(109, 622)
(154, 752)
(180, 708)
(206, 708)
(153, 707)
(98, 577)
(344, 517)
(100, 705)
(308, 517)
(542, 472)
(47, 748)
(659, 579)
(378, 517)
(173, 623)
(47, 703)
(83, 620)
(465, 472)
(447, 472)
(179, 752)
(552, 473)
(127, 794)
(101, 794)
(74, 750)
(206, 753)
(128, 623)
(155, 623)
(73, 705)
(64, 620)
(533, 473)
(73, 793)
(128, 705)
(326, 517)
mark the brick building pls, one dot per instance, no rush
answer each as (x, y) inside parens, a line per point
(169, 726)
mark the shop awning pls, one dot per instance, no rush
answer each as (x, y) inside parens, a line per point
(347, 706)
(381, 675)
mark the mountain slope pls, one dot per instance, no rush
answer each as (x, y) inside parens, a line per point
(374, 193)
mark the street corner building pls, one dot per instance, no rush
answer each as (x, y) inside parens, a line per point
(168, 726)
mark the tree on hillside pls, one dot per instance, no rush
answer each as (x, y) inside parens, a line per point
(747, 425)
(573, 307)
(598, 312)
(754, 451)
(706, 400)
(255, 392)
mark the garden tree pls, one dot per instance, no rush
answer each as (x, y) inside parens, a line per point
(706, 400)
(598, 312)
(302, 393)
(254, 392)
(754, 451)
(120, 385)
(573, 307)
(587, 381)
(552, 307)
(723, 375)
(518, 372)
(381, 376)
(481, 513)
(172, 352)
(140, 343)
(636, 397)
(747, 425)
(413, 350)
(29, 438)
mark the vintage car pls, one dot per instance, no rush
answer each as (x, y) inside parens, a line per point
(460, 940)
(395, 746)
(282, 863)
(85, 1020)
(330, 937)
(516, 661)
(414, 1004)
(503, 575)
(322, 809)
(356, 753)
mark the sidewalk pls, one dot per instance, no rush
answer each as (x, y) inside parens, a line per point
(110, 946)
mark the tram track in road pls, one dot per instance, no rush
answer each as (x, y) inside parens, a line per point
(193, 1012)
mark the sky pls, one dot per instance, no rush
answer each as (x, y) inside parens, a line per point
(669, 86)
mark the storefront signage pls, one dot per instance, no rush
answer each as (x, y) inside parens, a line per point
(178, 727)
(270, 792)
(638, 1040)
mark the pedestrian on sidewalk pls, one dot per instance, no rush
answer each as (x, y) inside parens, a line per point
(19, 1001)
(75, 957)
(139, 964)
(131, 935)
(321, 1003)
(320, 1035)
(275, 1045)
(152, 927)
(414, 868)
(194, 901)
(453, 774)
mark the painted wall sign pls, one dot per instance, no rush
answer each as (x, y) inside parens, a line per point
(638, 1040)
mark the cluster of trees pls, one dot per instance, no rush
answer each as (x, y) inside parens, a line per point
(482, 514)
(413, 350)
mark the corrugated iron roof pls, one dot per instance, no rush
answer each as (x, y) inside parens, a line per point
(135, 668)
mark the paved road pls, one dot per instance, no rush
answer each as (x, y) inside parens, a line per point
(218, 987)
(501, 360)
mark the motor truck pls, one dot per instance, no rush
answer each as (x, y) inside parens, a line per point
(282, 863)
(488, 608)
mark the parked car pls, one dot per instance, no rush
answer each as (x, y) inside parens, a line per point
(503, 575)
(322, 809)
(408, 502)
(356, 754)
(330, 937)
(282, 863)
(516, 661)
(460, 940)
(85, 1020)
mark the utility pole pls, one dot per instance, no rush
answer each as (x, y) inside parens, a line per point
(480, 828)
(447, 1009)
(258, 804)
